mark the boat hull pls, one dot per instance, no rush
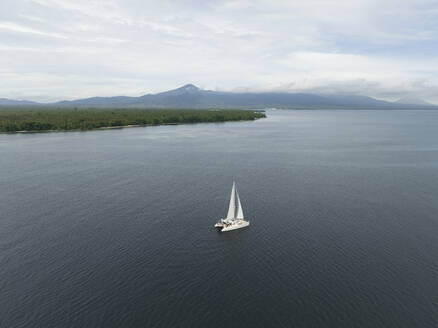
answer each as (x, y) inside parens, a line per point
(220, 223)
(237, 225)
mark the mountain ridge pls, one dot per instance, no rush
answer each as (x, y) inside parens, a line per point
(6, 102)
(412, 101)
(190, 96)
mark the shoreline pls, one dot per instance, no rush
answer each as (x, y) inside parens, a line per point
(117, 127)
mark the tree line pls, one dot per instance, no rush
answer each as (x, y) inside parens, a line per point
(41, 119)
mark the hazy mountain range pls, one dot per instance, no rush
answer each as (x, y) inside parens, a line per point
(11, 102)
(190, 96)
(413, 101)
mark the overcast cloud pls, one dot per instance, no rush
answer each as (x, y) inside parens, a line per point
(65, 49)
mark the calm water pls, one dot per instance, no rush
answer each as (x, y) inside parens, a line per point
(115, 228)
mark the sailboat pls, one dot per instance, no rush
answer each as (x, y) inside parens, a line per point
(235, 218)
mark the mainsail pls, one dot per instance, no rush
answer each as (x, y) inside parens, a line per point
(234, 219)
(232, 208)
(239, 208)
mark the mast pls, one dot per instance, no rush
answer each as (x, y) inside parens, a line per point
(239, 208)
(232, 208)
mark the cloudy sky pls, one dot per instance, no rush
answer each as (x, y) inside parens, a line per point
(66, 49)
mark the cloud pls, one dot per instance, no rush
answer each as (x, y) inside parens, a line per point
(23, 29)
(53, 49)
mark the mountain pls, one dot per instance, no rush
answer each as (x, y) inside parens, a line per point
(193, 97)
(11, 102)
(412, 101)
(190, 96)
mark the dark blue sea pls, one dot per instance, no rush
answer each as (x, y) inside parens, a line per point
(114, 228)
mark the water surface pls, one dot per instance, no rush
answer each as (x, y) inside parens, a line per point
(115, 228)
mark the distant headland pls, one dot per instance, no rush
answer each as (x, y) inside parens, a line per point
(13, 120)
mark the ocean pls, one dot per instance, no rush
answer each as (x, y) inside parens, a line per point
(114, 228)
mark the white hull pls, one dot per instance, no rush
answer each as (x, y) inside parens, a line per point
(235, 225)
(220, 223)
(234, 219)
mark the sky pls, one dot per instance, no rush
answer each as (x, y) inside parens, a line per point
(68, 49)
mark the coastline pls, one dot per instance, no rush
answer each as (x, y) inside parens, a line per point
(43, 120)
(118, 127)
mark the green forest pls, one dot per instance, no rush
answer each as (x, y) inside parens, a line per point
(44, 119)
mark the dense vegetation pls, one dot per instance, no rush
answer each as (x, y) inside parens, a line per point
(38, 119)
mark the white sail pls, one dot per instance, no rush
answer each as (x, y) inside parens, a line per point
(234, 220)
(239, 208)
(232, 208)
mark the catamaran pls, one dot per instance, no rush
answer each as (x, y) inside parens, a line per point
(234, 219)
